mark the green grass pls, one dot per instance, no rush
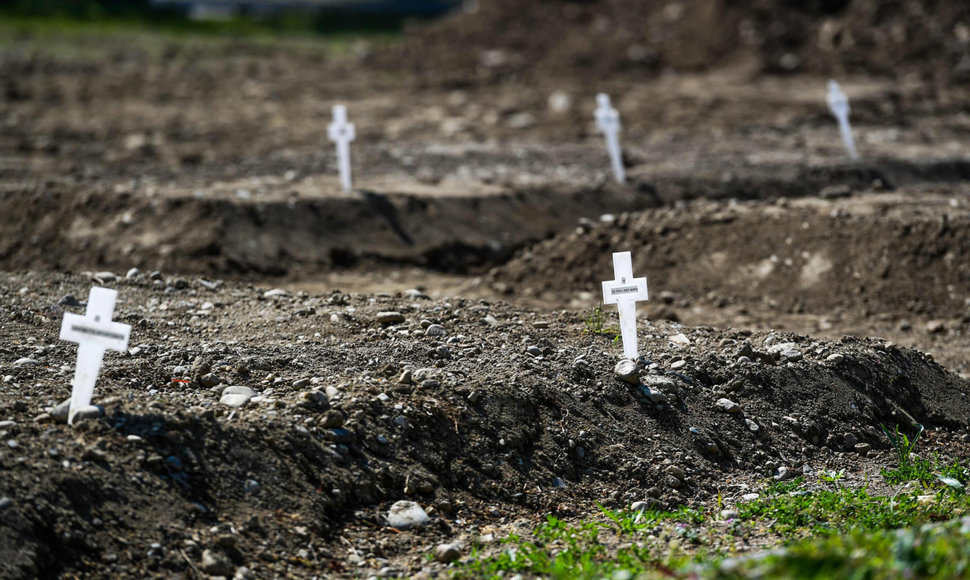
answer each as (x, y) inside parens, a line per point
(920, 552)
(68, 38)
(840, 533)
(847, 510)
(596, 324)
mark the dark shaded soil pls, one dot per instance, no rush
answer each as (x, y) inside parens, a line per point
(482, 434)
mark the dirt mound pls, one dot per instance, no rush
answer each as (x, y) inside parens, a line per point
(480, 412)
(624, 38)
(873, 255)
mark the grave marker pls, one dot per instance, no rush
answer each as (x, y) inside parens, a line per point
(625, 291)
(95, 333)
(342, 133)
(839, 105)
(608, 122)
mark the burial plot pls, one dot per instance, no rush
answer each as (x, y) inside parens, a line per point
(625, 291)
(95, 333)
(839, 105)
(608, 122)
(342, 133)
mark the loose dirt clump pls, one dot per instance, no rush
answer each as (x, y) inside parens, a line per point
(481, 412)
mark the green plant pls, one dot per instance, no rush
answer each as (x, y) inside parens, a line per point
(783, 487)
(596, 323)
(903, 445)
(832, 477)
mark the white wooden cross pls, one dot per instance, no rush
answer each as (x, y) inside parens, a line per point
(94, 332)
(839, 105)
(342, 133)
(608, 121)
(625, 291)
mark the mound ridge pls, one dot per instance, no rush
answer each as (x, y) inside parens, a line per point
(503, 405)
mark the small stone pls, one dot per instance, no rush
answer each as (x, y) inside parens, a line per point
(275, 292)
(332, 419)
(750, 496)
(863, 449)
(436, 330)
(835, 358)
(406, 378)
(626, 370)
(106, 276)
(729, 514)
(315, 399)
(406, 514)
(132, 274)
(59, 411)
(656, 397)
(94, 454)
(25, 362)
(389, 317)
(88, 412)
(728, 406)
(673, 482)
(447, 553)
(236, 396)
(5, 502)
(849, 439)
(534, 351)
(415, 294)
(752, 425)
(680, 339)
(783, 473)
(7, 424)
(215, 563)
(935, 327)
(69, 300)
(745, 350)
(678, 365)
(210, 380)
(677, 472)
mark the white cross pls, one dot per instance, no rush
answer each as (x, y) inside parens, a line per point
(608, 121)
(625, 291)
(342, 133)
(94, 332)
(839, 105)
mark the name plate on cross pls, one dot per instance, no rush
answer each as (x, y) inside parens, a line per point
(95, 333)
(625, 291)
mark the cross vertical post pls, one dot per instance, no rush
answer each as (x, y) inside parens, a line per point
(839, 105)
(342, 133)
(608, 122)
(625, 291)
(95, 333)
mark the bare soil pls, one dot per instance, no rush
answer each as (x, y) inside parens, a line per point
(482, 184)
(509, 414)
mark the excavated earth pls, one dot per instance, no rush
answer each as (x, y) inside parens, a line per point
(460, 365)
(486, 414)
